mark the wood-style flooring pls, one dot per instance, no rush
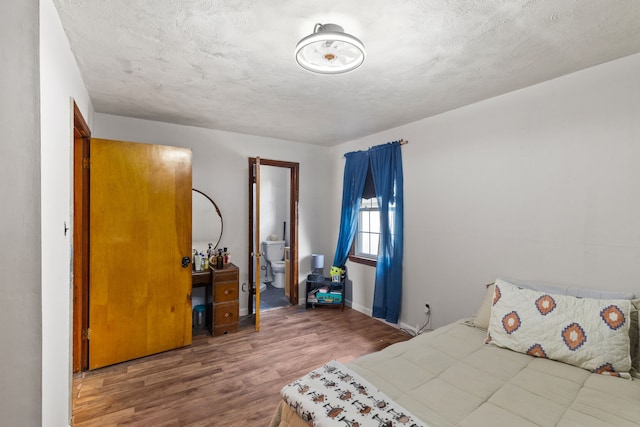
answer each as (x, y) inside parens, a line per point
(230, 380)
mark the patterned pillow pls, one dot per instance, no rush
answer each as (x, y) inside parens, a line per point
(589, 333)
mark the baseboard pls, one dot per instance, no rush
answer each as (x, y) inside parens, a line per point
(360, 308)
(369, 312)
(406, 327)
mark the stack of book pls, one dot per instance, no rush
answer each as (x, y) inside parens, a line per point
(325, 295)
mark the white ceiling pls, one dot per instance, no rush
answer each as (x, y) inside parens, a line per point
(229, 64)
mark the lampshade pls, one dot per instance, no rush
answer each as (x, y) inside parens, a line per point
(317, 261)
(329, 50)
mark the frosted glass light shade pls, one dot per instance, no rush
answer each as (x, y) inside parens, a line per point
(329, 50)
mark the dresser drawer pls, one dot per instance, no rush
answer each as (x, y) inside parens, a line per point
(224, 292)
(225, 329)
(226, 275)
(225, 313)
(201, 278)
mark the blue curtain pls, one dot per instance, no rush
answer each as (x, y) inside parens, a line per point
(355, 173)
(386, 169)
(385, 162)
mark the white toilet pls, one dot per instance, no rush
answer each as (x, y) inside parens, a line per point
(274, 255)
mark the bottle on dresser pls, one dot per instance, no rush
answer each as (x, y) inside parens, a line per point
(219, 260)
(197, 261)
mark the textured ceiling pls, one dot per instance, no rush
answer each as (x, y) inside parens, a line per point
(229, 64)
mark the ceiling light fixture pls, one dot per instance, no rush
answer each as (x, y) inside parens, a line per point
(329, 50)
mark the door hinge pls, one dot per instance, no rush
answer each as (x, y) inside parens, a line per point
(86, 333)
(86, 163)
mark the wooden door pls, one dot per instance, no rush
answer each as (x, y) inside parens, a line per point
(140, 230)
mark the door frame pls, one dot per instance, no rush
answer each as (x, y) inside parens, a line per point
(80, 296)
(294, 196)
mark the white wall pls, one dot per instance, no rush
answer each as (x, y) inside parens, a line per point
(60, 81)
(20, 300)
(274, 201)
(542, 184)
(220, 169)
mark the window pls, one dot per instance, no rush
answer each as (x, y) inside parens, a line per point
(367, 239)
(368, 234)
(366, 243)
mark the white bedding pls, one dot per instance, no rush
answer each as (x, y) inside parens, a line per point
(449, 377)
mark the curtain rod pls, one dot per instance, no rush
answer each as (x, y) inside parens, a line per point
(401, 142)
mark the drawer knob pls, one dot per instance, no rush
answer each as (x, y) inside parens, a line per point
(227, 292)
(227, 315)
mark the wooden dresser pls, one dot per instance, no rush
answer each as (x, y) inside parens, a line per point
(225, 290)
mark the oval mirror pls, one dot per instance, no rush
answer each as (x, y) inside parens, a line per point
(206, 222)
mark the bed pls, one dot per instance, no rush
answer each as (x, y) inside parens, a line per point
(532, 356)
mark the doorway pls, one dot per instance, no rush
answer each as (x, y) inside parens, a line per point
(158, 296)
(274, 185)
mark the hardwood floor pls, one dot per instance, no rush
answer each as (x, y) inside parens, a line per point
(231, 380)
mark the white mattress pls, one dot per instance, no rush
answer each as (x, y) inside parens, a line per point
(448, 377)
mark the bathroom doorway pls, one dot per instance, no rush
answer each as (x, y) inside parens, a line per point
(273, 213)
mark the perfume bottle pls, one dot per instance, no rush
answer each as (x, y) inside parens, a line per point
(220, 260)
(197, 261)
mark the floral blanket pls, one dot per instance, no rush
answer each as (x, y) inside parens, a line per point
(333, 395)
